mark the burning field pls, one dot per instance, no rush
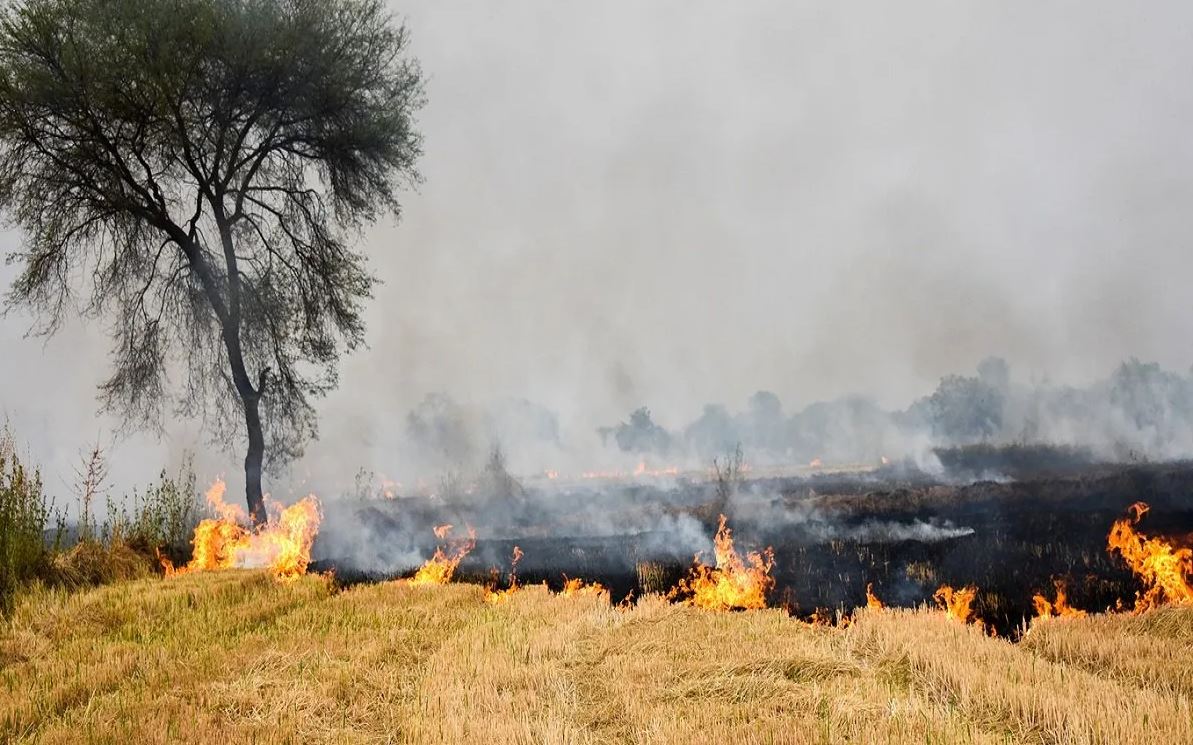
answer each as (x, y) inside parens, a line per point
(768, 373)
(1050, 542)
(881, 607)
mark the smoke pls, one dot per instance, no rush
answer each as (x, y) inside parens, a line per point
(605, 526)
(881, 531)
(666, 205)
(1137, 412)
(804, 519)
(623, 522)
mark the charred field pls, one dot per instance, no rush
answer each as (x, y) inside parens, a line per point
(474, 617)
(1042, 519)
(452, 616)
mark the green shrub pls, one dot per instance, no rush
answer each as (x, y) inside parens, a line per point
(162, 519)
(24, 515)
(156, 522)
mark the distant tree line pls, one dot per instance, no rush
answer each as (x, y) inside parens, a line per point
(1139, 410)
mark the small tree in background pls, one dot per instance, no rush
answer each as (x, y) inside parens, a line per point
(200, 167)
(963, 410)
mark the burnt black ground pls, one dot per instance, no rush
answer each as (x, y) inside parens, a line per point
(830, 539)
(1026, 534)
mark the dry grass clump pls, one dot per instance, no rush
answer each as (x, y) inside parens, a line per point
(92, 563)
(236, 657)
(656, 578)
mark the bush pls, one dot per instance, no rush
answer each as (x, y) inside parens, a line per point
(24, 515)
(163, 519)
(157, 522)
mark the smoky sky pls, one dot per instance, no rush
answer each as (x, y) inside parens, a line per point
(673, 203)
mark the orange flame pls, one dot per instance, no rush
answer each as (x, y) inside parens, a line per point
(441, 567)
(167, 565)
(390, 488)
(956, 603)
(1164, 569)
(639, 471)
(643, 470)
(815, 463)
(872, 601)
(579, 588)
(819, 618)
(733, 582)
(1059, 608)
(494, 596)
(283, 544)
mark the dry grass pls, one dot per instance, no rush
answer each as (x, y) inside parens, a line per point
(1143, 650)
(93, 563)
(235, 656)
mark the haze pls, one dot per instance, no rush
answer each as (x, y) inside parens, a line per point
(671, 203)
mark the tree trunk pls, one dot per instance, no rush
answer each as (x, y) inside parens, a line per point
(252, 461)
(249, 396)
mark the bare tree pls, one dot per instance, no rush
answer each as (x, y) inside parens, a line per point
(91, 476)
(197, 170)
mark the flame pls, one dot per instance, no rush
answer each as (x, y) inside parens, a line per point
(439, 569)
(872, 601)
(494, 596)
(552, 475)
(734, 582)
(390, 488)
(579, 588)
(956, 602)
(639, 471)
(283, 544)
(815, 463)
(642, 470)
(1165, 570)
(819, 618)
(1060, 608)
(167, 565)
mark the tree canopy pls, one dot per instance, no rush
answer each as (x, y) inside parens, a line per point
(196, 172)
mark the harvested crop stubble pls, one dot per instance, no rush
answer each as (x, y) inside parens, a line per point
(235, 656)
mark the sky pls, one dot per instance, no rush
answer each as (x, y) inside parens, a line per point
(673, 203)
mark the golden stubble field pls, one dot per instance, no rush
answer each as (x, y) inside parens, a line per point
(236, 656)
